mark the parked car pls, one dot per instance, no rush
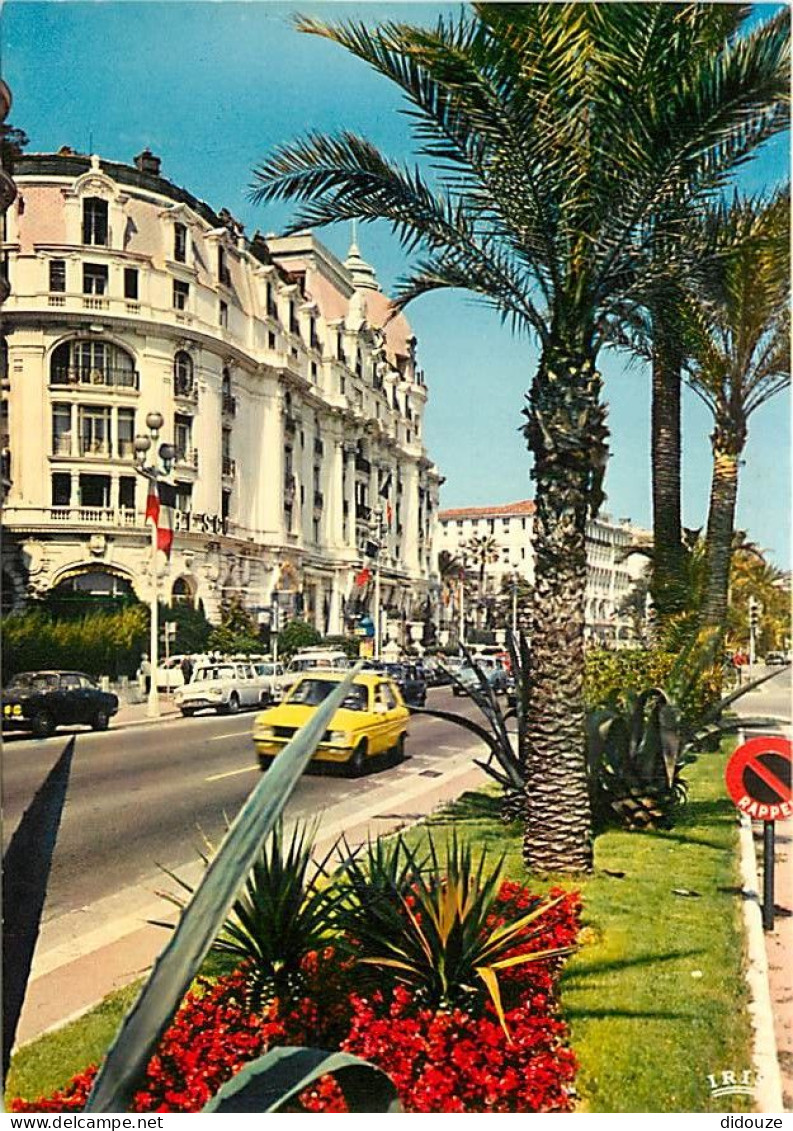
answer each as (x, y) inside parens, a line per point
(268, 674)
(309, 660)
(225, 687)
(410, 680)
(169, 674)
(372, 720)
(493, 671)
(41, 701)
(776, 659)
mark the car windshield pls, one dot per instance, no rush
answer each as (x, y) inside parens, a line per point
(312, 692)
(213, 673)
(265, 669)
(36, 681)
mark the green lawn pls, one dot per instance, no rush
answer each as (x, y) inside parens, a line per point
(655, 997)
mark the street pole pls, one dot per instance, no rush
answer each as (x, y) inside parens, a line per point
(515, 603)
(166, 453)
(377, 607)
(461, 598)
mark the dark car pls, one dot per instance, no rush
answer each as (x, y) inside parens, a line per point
(410, 680)
(491, 668)
(41, 701)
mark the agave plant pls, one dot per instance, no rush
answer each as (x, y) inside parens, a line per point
(285, 911)
(428, 923)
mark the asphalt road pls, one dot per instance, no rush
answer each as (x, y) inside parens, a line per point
(147, 795)
(772, 698)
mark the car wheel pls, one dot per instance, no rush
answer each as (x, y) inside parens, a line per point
(42, 724)
(101, 721)
(399, 750)
(187, 712)
(357, 764)
(265, 762)
(234, 703)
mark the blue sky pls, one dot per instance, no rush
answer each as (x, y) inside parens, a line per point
(211, 87)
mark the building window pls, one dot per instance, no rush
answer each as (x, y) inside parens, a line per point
(181, 593)
(58, 275)
(271, 342)
(182, 374)
(126, 492)
(182, 437)
(224, 275)
(94, 279)
(181, 294)
(61, 430)
(316, 530)
(95, 424)
(180, 243)
(225, 505)
(271, 305)
(131, 283)
(223, 314)
(94, 490)
(92, 362)
(294, 327)
(184, 496)
(314, 370)
(61, 489)
(125, 432)
(95, 230)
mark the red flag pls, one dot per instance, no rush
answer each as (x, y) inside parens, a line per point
(160, 504)
(362, 577)
(389, 512)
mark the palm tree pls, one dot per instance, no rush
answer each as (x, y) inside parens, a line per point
(551, 159)
(739, 315)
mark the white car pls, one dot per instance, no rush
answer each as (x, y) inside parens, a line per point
(226, 687)
(269, 674)
(309, 660)
(169, 674)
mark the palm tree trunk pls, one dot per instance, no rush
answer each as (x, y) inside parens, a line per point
(668, 581)
(721, 522)
(567, 434)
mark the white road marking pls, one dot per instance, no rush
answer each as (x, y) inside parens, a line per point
(232, 773)
(231, 734)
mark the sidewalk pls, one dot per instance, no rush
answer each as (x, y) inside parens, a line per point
(136, 714)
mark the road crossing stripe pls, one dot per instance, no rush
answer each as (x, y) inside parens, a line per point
(231, 734)
(232, 773)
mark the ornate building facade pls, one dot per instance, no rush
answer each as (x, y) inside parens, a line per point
(290, 393)
(611, 573)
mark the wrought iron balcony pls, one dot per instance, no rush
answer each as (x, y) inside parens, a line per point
(187, 457)
(362, 512)
(229, 404)
(106, 376)
(229, 465)
(319, 500)
(362, 464)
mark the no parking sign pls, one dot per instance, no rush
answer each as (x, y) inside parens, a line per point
(758, 777)
(759, 782)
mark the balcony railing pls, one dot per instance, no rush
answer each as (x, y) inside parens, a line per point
(187, 457)
(69, 516)
(105, 376)
(362, 464)
(319, 448)
(186, 389)
(96, 449)
(229, 465)
(362, 512)
(229, 404)
(290, 425)
(319, 500)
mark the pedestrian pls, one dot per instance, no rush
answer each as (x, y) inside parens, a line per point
(187, 669)
(144, 673)
(738, 661)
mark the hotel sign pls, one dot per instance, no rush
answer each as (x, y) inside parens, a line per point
(196, 522)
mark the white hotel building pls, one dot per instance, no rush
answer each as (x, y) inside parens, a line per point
(289, 395)
(610, 575)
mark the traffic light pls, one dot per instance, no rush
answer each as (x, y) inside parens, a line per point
(754, 612)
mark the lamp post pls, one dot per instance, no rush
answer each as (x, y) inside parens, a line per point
(461, 598)
(379, 533)
(166, 454)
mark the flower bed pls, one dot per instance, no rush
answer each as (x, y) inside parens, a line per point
(456, 1058)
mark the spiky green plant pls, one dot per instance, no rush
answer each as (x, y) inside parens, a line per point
(424, 923)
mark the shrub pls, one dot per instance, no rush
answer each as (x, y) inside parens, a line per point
(296, 634)
(192, 628)
(350, 645)
(100, 643)
(610, 675)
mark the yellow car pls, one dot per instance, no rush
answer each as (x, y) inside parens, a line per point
(372, 720)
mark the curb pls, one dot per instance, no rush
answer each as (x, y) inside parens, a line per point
(768, 1091)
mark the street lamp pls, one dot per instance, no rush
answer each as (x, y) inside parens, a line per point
(461, 597)
(166, 454)
(378, 531)
(515, 577)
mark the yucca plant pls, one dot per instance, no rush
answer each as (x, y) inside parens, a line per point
(427, 924)
(285, 911)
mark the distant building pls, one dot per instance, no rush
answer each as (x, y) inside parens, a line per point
(290, 392)
(610, 578)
